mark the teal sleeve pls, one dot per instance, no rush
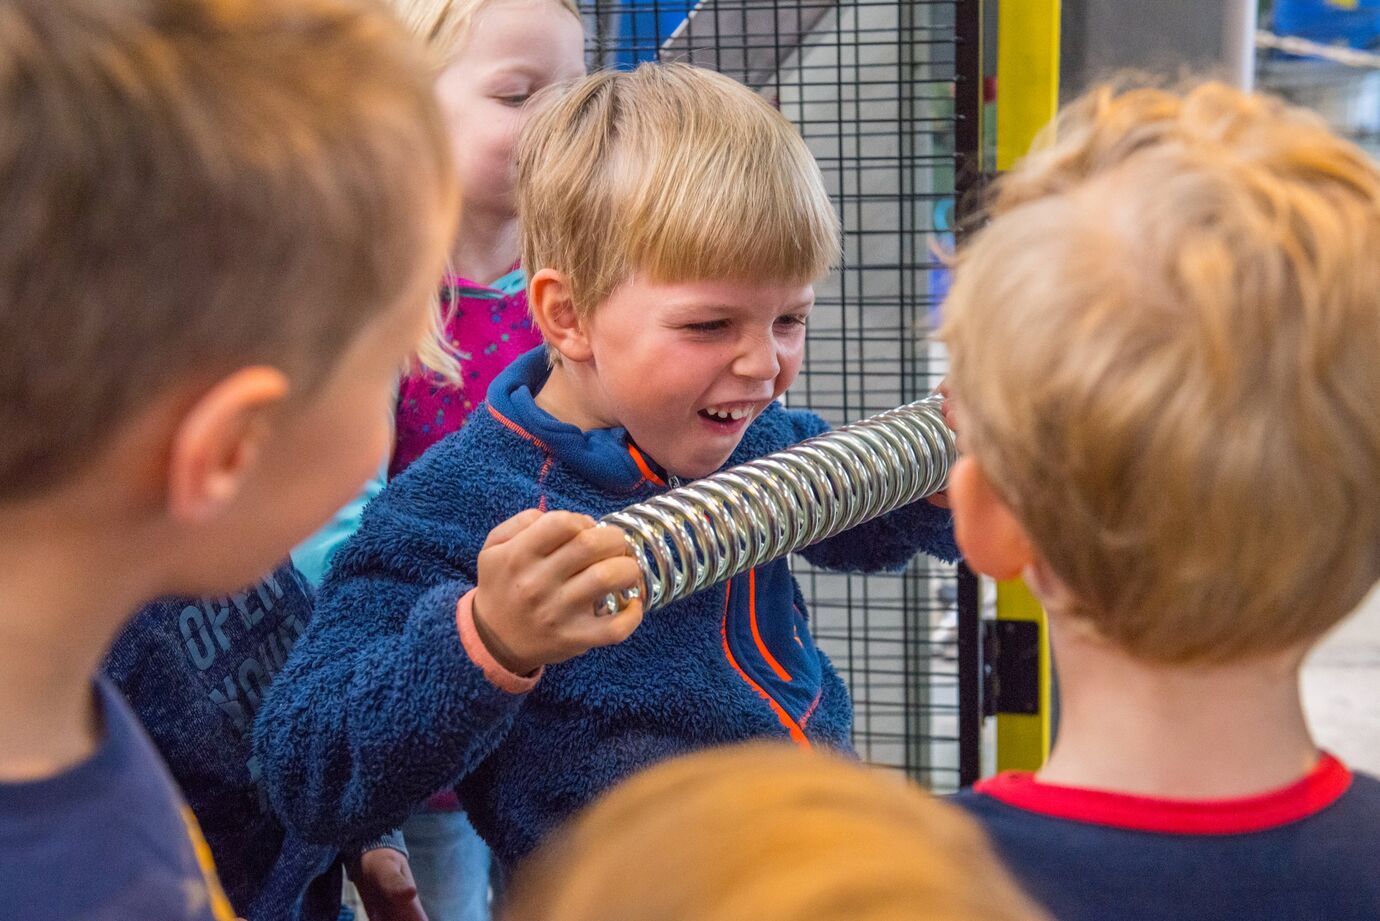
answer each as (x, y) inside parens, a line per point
(312, 557)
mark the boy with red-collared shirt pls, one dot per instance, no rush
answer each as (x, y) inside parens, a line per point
(1164, 373)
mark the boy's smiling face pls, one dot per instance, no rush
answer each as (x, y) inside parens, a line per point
(685, 367)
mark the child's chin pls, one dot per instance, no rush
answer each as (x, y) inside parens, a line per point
(701, 467)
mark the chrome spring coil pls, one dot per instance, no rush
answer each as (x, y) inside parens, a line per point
(713, 529)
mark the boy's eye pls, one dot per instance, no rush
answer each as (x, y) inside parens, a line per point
(515, 101)
(791, 320)
(709, 326)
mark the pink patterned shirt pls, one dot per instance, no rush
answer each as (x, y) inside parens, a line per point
(489, 326)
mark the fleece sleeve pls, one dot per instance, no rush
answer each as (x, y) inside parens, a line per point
(886, 543)
(380, 704)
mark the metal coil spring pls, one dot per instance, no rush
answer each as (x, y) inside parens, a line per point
(711, 530)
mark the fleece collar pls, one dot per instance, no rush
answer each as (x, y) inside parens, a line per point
(605, 457)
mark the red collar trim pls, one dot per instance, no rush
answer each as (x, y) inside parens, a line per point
(516, 429)
(1322, 787)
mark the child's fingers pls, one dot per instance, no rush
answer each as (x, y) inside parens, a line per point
(588, 588)
(512, 527)
(612, 630)
(551, 532)
(594, 627)
(949, 407)
(583, 550)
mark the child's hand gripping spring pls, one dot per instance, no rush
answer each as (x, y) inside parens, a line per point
(544, 578)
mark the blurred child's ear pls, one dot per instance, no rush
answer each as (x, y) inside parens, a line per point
(553, 310)
(993, 541)
(219, 440)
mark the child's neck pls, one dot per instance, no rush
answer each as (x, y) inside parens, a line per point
(571, 395)
(487, 247)
(63, 597)
(1218, 732)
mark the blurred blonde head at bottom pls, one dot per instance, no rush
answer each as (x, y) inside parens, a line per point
(769, 833)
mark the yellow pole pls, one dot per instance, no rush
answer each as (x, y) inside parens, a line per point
(1027, 99)
(1027, 74)
(1023, 740)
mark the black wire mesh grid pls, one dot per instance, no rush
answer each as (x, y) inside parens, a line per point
(872, 87)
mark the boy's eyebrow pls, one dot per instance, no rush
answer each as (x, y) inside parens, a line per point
(725, 307)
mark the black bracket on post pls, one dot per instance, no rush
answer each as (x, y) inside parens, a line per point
(1011, 667)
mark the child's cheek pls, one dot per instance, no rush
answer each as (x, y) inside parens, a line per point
(790, 370)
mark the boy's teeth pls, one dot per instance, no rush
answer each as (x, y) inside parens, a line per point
(727, 414)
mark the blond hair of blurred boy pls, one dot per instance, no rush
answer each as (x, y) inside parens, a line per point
(767, 832)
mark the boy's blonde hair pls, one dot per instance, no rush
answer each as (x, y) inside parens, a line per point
(445, 24)
(770, 833)
(192, 187)
(1165, 352)
(673, 172)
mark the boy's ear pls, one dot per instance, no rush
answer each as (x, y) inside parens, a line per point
(993, 541)
(553, 310)
(219, 440)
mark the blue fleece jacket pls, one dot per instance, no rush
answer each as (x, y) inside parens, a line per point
(380, 705)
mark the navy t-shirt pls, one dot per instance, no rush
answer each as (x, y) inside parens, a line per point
(1308, 852)
(107, 840)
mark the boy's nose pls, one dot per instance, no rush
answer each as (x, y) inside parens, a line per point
(758, 360)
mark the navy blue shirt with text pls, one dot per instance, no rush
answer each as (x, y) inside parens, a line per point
(195, 671)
